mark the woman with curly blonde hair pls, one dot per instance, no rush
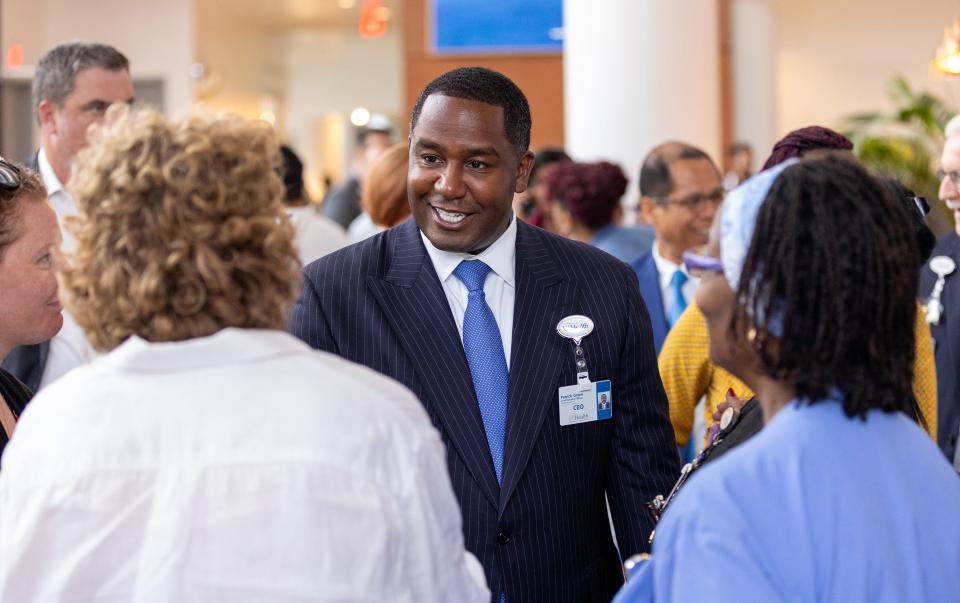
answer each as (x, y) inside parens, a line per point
(208, 455)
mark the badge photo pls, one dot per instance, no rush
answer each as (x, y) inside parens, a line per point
(604, 400)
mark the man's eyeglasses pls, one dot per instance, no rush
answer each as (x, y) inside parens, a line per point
(696, 200)
(9, 176)
(699, 265)
(954, 177)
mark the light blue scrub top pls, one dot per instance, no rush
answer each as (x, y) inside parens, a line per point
(816, 507)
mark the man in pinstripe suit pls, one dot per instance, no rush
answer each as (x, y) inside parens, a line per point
(485, 358)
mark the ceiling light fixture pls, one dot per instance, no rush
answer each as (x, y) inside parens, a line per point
(360, 117)
(947, 60)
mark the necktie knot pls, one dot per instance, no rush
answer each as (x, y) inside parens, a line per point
(472, 273)
(679, 279)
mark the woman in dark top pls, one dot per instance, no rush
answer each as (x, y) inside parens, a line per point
(30, 309)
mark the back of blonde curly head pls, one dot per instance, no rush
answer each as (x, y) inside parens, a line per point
(181, 231)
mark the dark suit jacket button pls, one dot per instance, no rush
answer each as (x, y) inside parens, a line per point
(503, 537)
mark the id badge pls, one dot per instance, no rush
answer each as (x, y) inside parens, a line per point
(583, 405)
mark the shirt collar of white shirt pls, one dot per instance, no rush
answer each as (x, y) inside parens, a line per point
(665, 268)
(230, 346)
(500, 256)
(60, 198)
(50, 180)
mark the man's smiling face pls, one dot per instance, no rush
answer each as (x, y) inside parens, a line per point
(463, 173)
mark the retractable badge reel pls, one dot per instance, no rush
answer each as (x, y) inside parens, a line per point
(941, 265)
(575, 328)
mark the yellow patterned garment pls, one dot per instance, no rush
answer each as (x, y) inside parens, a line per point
(688, 374)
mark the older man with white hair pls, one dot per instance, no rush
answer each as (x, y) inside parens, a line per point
(940, 290)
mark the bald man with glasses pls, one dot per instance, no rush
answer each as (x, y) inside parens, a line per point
(681, 189)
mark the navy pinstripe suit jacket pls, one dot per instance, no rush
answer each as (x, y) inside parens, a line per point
(543, 534)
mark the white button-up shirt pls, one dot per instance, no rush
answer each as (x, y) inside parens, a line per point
(240, 467)
(499, 289)
(60, 199)
(69, 348)
(665, 269)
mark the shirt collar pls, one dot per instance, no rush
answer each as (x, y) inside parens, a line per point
(500, 256)
(665, 267)
(230, 346)
(50, 180)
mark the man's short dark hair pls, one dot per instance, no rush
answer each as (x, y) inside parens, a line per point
(292, 174)
(485, 86)
(58, 68)
(545, 157)
(655, 179)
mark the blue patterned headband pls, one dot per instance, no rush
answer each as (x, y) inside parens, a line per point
(738, 218)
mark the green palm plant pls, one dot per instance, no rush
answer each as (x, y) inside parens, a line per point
(905, 143)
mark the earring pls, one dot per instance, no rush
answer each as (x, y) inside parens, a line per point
(752, 334)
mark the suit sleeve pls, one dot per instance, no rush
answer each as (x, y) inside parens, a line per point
(644, 460)
(309, 322)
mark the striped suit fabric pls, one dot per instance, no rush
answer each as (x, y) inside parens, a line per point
(543, 533)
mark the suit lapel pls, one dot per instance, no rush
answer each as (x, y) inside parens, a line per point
(653, 298)
(413, 302)
(951, 301)
(543, 297)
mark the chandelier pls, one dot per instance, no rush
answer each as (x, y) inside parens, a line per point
(947, 60)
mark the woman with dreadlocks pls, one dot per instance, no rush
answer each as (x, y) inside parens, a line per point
(685, 367)
(841, 496)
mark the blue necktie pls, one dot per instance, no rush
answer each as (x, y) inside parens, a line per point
(677, 281)
(488, 365)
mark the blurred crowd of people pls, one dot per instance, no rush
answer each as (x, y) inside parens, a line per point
(471, 372)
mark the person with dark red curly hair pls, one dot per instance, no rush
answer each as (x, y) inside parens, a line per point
(812, 139)
(586, 207)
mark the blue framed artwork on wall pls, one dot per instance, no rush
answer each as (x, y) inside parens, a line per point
(495, 26)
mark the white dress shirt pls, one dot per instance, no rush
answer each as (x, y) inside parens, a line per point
(241, 467)
(665, 269)
(60, 199)
(69, 348)
(499, 288)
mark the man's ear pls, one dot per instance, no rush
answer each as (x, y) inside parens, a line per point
(647, 209)
(46, 111)
(523, 172)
